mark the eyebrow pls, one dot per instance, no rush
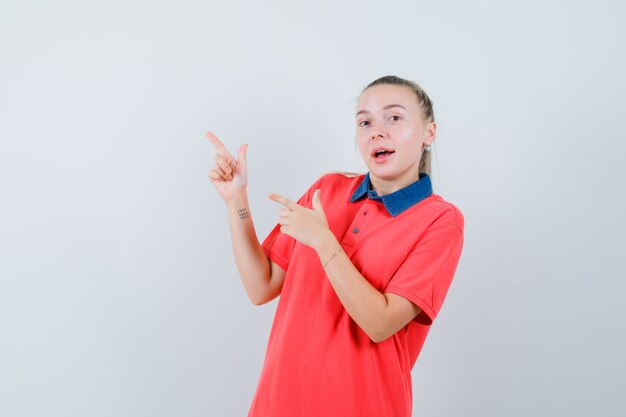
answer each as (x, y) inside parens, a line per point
(384, 108)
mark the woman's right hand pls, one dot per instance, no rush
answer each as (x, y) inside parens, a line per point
(229, 175)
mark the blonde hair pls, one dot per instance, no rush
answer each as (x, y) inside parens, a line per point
(425, 104)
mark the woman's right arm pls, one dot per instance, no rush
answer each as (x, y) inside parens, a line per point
(262, 278)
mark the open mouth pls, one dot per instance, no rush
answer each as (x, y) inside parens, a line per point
(381, 155)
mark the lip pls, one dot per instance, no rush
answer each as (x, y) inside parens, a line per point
(383, 159)
(378, 148)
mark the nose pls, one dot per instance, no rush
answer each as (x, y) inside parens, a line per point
(378, 130)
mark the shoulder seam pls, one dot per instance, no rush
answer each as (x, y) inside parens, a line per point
(455, 209)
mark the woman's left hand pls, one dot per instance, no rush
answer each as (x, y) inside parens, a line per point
(303, 224)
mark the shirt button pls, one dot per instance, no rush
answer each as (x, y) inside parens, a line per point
(355, 230)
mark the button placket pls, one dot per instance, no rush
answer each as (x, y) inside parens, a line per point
(359, 222)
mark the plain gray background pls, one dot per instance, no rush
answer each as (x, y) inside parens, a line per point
(119, 294)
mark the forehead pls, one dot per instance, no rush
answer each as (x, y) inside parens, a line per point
(378, 96)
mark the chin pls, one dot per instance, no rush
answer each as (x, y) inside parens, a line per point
(388, 173)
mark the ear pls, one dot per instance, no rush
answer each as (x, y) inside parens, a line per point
(432, 132)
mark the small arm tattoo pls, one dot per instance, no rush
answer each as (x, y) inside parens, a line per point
(243, 213)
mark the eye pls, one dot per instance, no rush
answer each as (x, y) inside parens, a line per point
(395, 116)
(361, 123)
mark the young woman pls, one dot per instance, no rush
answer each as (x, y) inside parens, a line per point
(362, 264)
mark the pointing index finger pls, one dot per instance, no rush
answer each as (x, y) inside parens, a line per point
(220, 146)
(283, 200)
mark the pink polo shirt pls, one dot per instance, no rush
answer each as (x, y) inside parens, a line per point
(319, 362)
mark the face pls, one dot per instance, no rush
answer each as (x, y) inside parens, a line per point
(389, 117)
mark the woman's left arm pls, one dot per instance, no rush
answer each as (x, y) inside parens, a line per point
(380, 315)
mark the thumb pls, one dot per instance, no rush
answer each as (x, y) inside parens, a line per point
(241, 155)
(317, 201)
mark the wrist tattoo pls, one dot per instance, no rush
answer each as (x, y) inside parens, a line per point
(243, 213)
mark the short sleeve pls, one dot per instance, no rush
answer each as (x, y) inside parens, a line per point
(279, 246)
(426, 274)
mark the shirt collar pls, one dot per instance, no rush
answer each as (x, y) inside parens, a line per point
(399, 200)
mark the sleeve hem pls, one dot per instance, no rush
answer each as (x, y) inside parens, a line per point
(426, 308)
(276, 258)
